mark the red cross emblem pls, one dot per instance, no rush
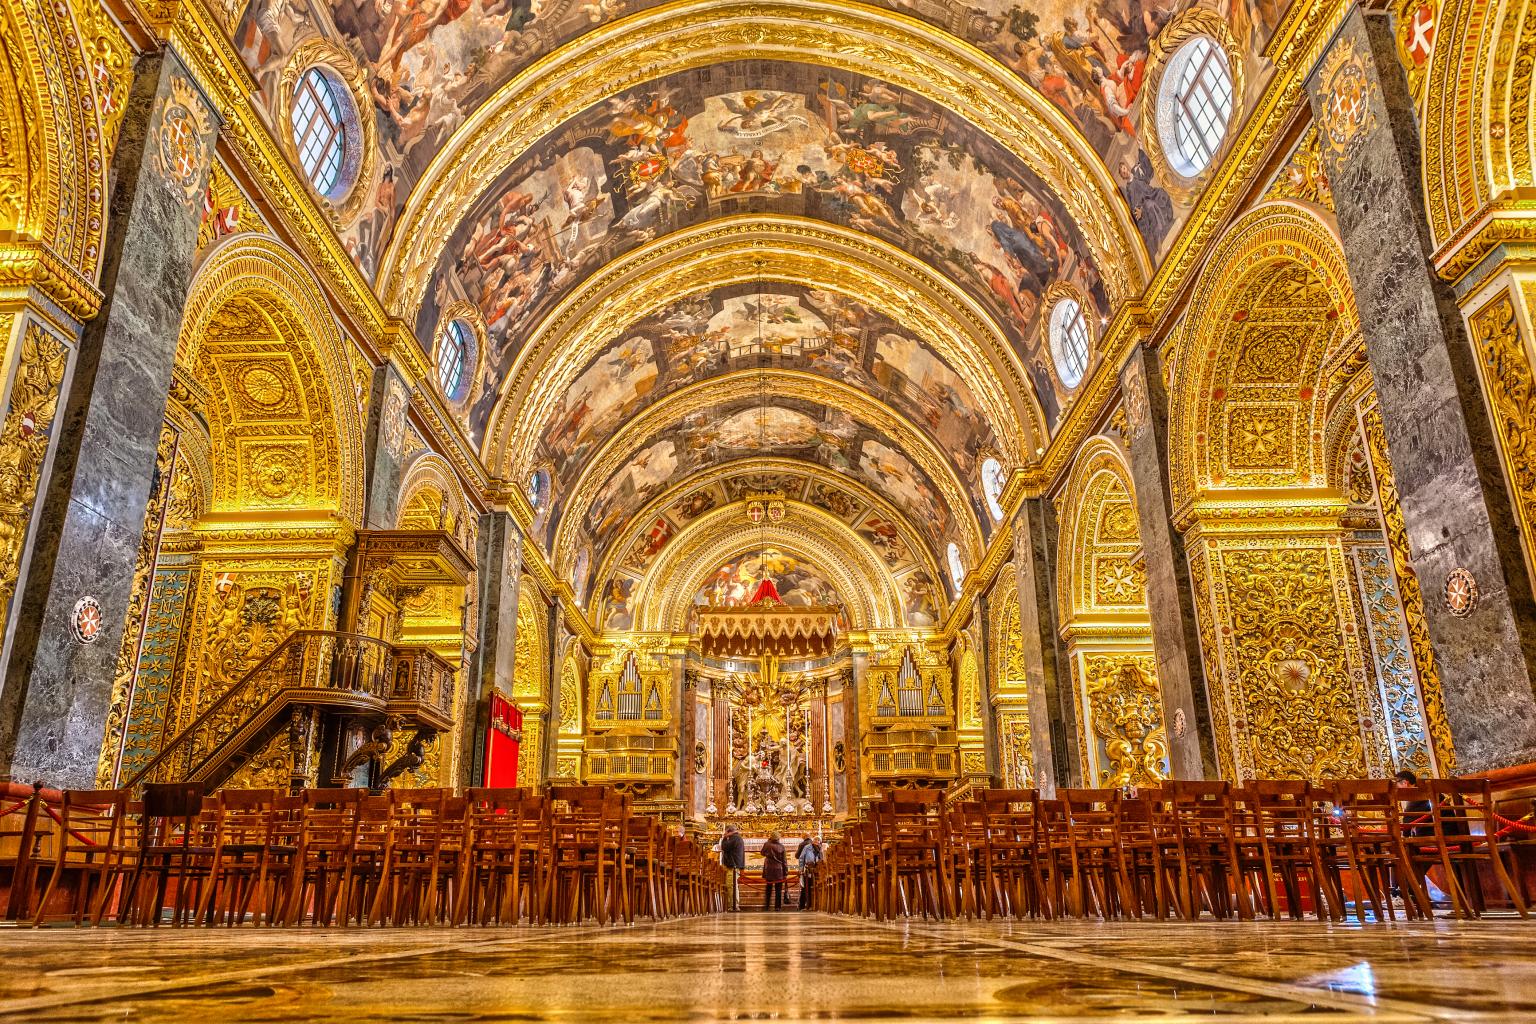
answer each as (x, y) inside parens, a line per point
(106, 88)
(1421, 34)
(87, 620)
(182, 143)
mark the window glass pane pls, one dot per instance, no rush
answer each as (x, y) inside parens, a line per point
(319, 132)
(451, 352)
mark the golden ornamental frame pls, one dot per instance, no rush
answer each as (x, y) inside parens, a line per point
(318, 51)
(1197, 21)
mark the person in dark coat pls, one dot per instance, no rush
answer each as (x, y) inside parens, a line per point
(733, 857)
(775, 870)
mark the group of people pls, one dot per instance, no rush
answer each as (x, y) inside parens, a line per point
(733, 857)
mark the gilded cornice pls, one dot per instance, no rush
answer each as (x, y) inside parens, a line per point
(536, 566)
(616, 452)
(1292, 510)
(742, 250)
(31, 264)
(1501, 222)
(924, 556)
(856, 570)
(849, 37)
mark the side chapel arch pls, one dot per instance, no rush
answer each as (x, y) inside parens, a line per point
(1102, 592)
(1290, 696)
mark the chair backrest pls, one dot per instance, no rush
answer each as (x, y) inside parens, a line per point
(171, 811)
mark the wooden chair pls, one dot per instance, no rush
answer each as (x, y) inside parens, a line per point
(963, 851)
(587, 844)
(1288, 857)
(327, 821)
(1463, 837)
(1371, 826)
(1142, 852)
(1098, 882)
(1207, 864)
(174, 855)
(90, 849)
(907, 839)
(415, 879)
(253, 859)
(23, 828)
(1014, 870)
(506, 848)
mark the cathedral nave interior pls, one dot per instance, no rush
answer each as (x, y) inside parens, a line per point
(497, 461)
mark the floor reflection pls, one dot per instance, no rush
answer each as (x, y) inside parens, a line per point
(781, 967)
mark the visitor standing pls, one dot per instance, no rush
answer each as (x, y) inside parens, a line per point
(733, 857)
(809, 858)
(775, 870)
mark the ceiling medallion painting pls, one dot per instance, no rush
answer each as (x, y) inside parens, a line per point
(432, 67)
(760, 137)
(807, 330)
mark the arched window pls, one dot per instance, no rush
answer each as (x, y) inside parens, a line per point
(323, 111)
(992, 480)
(1069, 341)
(956, 566)
(452, 358)
(1194, 105)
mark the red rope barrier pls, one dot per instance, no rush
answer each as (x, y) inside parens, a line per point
(87, 840)
(15, 807)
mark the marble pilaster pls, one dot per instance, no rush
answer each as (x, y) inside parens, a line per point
(58, 688)
(1456, 509)
(499, 562)
(383, 449)
(1052, 710)
(1170, 601)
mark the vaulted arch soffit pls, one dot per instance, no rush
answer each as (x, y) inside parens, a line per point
(659, 525)
(1100, 579)
(1277, 340)
(262, 356)
(542, 391)
(846, 562)
(776, 137)
(788, 413)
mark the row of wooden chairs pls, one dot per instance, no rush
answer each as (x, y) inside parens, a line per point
(347, 857)
(1189, 849)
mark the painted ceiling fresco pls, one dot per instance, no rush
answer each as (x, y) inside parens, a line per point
(922, 601)
(758, 136)
(433, 62)
(716, 437)
(778, 326)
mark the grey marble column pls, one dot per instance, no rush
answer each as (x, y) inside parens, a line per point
(388, 400)
(58, 688)
(1052, 709)
(1456, 509)
(1170, 601)
(499, 565)
(986, 658)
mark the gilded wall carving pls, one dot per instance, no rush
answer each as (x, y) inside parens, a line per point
(1129, 746)
(24, 440)
(1510, 388)
(1293, 670)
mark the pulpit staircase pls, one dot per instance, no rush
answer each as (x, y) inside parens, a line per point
(325, 670)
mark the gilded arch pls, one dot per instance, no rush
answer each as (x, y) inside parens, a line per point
(665, 595)
(1479, 141)
(748, 385)
(258, 328)
(1251, 408)
(647, 47)
(1102, 590)
(64, 79)
(743, 249)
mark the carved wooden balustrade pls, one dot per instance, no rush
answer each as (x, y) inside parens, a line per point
(311, 667)
(901, 755)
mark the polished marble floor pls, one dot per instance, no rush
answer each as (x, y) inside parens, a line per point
(781, 967)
